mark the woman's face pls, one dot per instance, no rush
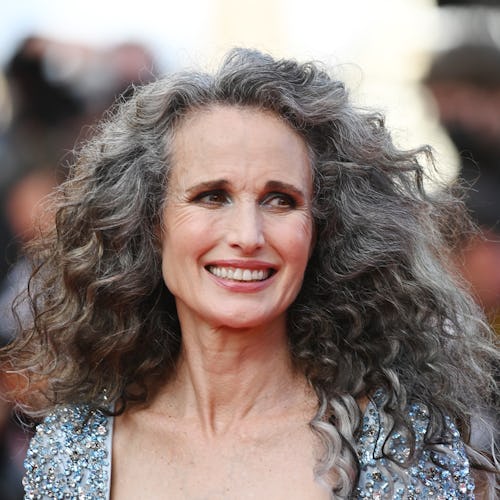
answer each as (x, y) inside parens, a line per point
(237, 222)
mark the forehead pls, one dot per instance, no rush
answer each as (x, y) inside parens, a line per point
(221, 119)
(238, 136)
(220, 112)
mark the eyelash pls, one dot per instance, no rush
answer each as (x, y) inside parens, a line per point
(207, 198)
(200, 198)
(290, 202)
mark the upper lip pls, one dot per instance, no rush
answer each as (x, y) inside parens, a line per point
(243, 264)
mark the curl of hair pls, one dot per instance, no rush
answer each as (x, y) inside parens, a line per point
(379, 306)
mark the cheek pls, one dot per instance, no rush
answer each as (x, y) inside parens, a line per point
(295, 240)
(178, 218)
(179, 223)
(185, 237)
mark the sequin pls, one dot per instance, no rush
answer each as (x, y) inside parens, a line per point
(440, 472)
(69, 458)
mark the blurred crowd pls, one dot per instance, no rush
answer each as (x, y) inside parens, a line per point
(55, 90)
(465, 85)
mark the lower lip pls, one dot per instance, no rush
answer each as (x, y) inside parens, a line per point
(242, 286)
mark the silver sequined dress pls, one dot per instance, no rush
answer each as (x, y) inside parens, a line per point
(70, 458)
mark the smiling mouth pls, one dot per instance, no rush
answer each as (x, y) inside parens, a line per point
(239, 274)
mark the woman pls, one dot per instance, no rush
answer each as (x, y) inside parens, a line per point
(250, 277)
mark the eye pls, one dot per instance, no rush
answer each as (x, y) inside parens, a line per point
(280, 201)
(212, 198)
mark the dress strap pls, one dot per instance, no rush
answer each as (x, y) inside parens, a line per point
(70, 456)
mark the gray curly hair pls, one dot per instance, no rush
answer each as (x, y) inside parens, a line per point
(379, 306)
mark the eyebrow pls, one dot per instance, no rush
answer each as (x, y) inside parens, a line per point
(224, 183)
(284, 186)
(208, 185)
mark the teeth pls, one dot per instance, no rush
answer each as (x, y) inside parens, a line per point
(238, 274)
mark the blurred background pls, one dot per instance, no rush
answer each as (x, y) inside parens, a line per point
(432, 67)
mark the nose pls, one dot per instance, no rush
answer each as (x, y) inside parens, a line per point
(245, 229)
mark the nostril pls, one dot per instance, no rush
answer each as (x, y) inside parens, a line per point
(246, 230)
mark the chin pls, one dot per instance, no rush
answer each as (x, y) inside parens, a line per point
(243, 320)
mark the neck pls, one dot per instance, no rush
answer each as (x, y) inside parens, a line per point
(225, 376)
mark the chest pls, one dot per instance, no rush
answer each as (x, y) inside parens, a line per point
(186, 466)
